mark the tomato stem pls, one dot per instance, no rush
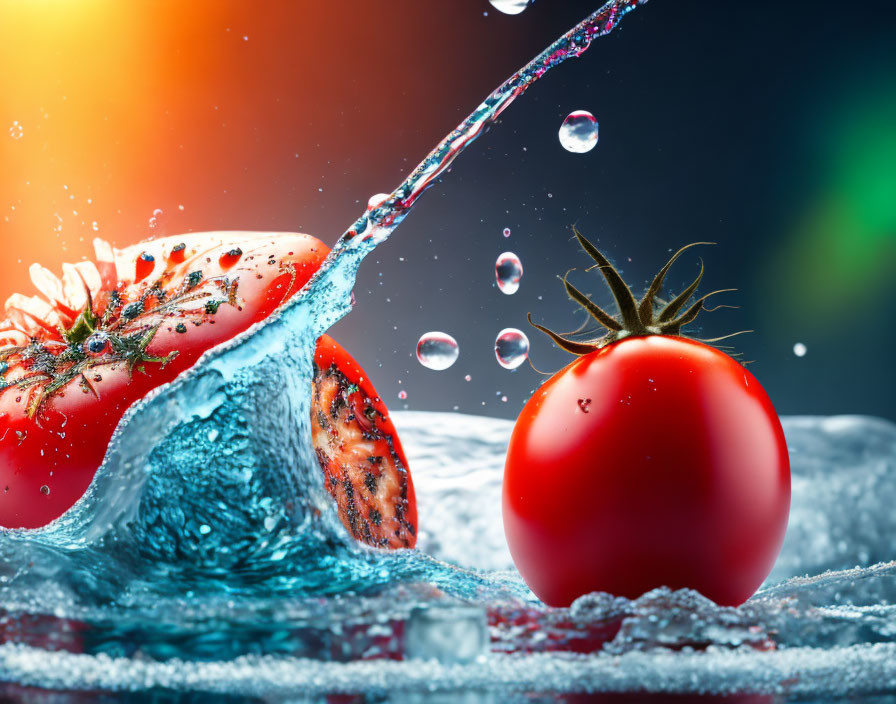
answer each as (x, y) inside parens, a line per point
(636, 318)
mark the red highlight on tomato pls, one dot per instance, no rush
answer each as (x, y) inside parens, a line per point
(651, 460)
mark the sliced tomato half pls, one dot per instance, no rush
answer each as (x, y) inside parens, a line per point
(74, 358)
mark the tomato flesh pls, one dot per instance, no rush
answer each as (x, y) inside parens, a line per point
(655, 461)
(365, 469)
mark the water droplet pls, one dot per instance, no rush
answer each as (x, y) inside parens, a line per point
(178, 253)
(205, 529)
(95, 225)
(468, 378)
(799, 349)
(511, 348)
(230, 258)
(510, 7)
(584, 403)
(506, 232)
(154, 221)
(508, 272)
(45, 490)
(402, 394)
(376, 200)
(578, 133)
(503, 399)
(16, 131)
(437, 350)
(97, 344)
(132, 310)
(145, 264)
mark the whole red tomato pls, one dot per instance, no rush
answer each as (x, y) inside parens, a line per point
(650, 460)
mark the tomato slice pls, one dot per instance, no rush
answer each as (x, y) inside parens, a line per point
(364, 465)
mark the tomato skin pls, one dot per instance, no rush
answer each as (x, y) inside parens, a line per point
(674, 473)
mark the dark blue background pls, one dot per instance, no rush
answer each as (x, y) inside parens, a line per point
(737, 123)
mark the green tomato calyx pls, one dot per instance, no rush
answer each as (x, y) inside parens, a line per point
(636, 318)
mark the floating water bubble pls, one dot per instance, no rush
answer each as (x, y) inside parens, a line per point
(156, 217)
(437, 350)
(508, 272)
(578, 133)
(510, 7)
(402, 394)
(16, 131)
(799, 349)
(511, 348)
(506, 232)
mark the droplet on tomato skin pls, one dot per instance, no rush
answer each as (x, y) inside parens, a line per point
(178, 253)
(584, 403)
(145, 264)
(229, 259)
(45, 490)
(97, 344)
(132, 310)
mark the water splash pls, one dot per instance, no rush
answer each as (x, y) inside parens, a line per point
(375, 225)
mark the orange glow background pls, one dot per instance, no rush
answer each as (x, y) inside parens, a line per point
(239, 112)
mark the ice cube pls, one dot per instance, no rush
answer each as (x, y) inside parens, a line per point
(454, 634)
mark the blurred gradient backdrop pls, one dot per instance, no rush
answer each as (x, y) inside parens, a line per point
(769, 129)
